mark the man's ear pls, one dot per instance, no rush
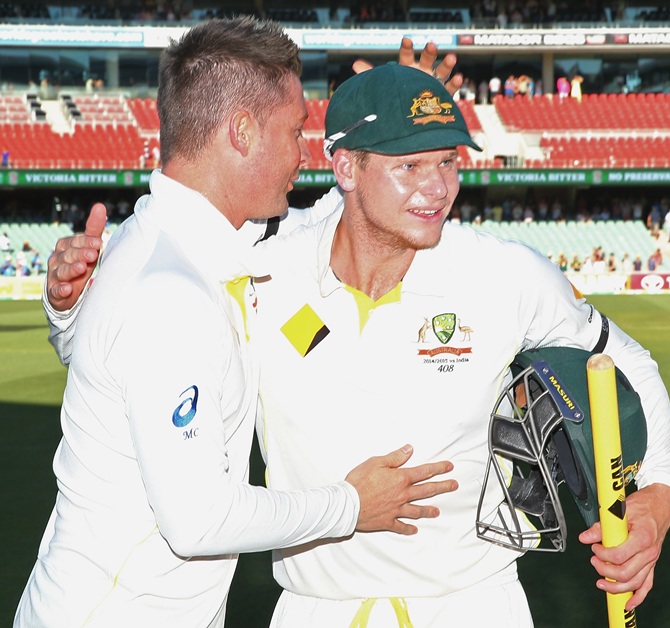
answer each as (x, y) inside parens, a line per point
(241, 129)
(344, 168)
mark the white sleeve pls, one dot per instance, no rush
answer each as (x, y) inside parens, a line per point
(559, 316)
(642, 372)
(171, 359)
(324, 207)
(62, 325)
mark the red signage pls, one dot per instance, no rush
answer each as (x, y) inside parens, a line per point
(650, 282)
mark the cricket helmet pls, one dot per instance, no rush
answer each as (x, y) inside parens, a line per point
(539, 438)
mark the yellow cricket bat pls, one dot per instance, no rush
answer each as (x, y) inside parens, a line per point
(603, 402)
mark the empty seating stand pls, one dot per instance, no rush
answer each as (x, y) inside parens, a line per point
(621, 112)
(145, 113)
(106, 131)
(579, 238)
(102, 109)
(607, 151)
(89, 146)
(601, 131)
(15, 109)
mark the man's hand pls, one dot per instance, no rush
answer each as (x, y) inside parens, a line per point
(426, 63)
(73, 261)
(631, 565)
(387, 492)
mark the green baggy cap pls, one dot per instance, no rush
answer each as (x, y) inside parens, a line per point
(394, 110)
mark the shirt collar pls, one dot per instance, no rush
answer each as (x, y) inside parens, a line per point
(419, 278)
(204, 233)
(328, 282)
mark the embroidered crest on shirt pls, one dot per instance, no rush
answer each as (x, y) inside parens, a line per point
(305, 330)
(445, 327)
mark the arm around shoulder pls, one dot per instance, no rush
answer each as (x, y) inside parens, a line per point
(62, 325)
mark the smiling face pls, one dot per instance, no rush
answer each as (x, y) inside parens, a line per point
(401, 202)
(279, 156)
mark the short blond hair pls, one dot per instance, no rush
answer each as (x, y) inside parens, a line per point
(215, 68)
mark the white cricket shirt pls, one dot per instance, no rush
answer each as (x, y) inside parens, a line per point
(425, 370)
(157, 419)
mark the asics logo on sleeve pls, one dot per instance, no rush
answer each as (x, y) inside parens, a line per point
(180, 419)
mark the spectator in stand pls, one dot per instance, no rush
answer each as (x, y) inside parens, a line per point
(587, 266)
(123, 208)
(563, 262)
(562, 87)
(464, 92)
(582, 215)
(624, 208)
(507, 206)
(626, 264)
(495, 85)
(557, 211)
(637, 264)
(666, 223)
(510, 86)
(36, 263)
(576, 264)
(611, 263)
(599, 266)
(515, 15)
(471, 94)
(522, 85)
(576, 87)
(5, 158)
(483, 92)
(538, 87)
(488, 8)
(654, 220)
(466, 211)
(8, 269)
(531, 88)
(5, 243)
(655, 260)
(22, 267)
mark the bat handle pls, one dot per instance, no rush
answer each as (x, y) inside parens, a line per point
(608, 457)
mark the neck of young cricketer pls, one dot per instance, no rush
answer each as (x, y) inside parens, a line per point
(363, 262)
(217, 176)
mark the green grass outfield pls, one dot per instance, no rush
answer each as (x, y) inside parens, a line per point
(560, 587)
